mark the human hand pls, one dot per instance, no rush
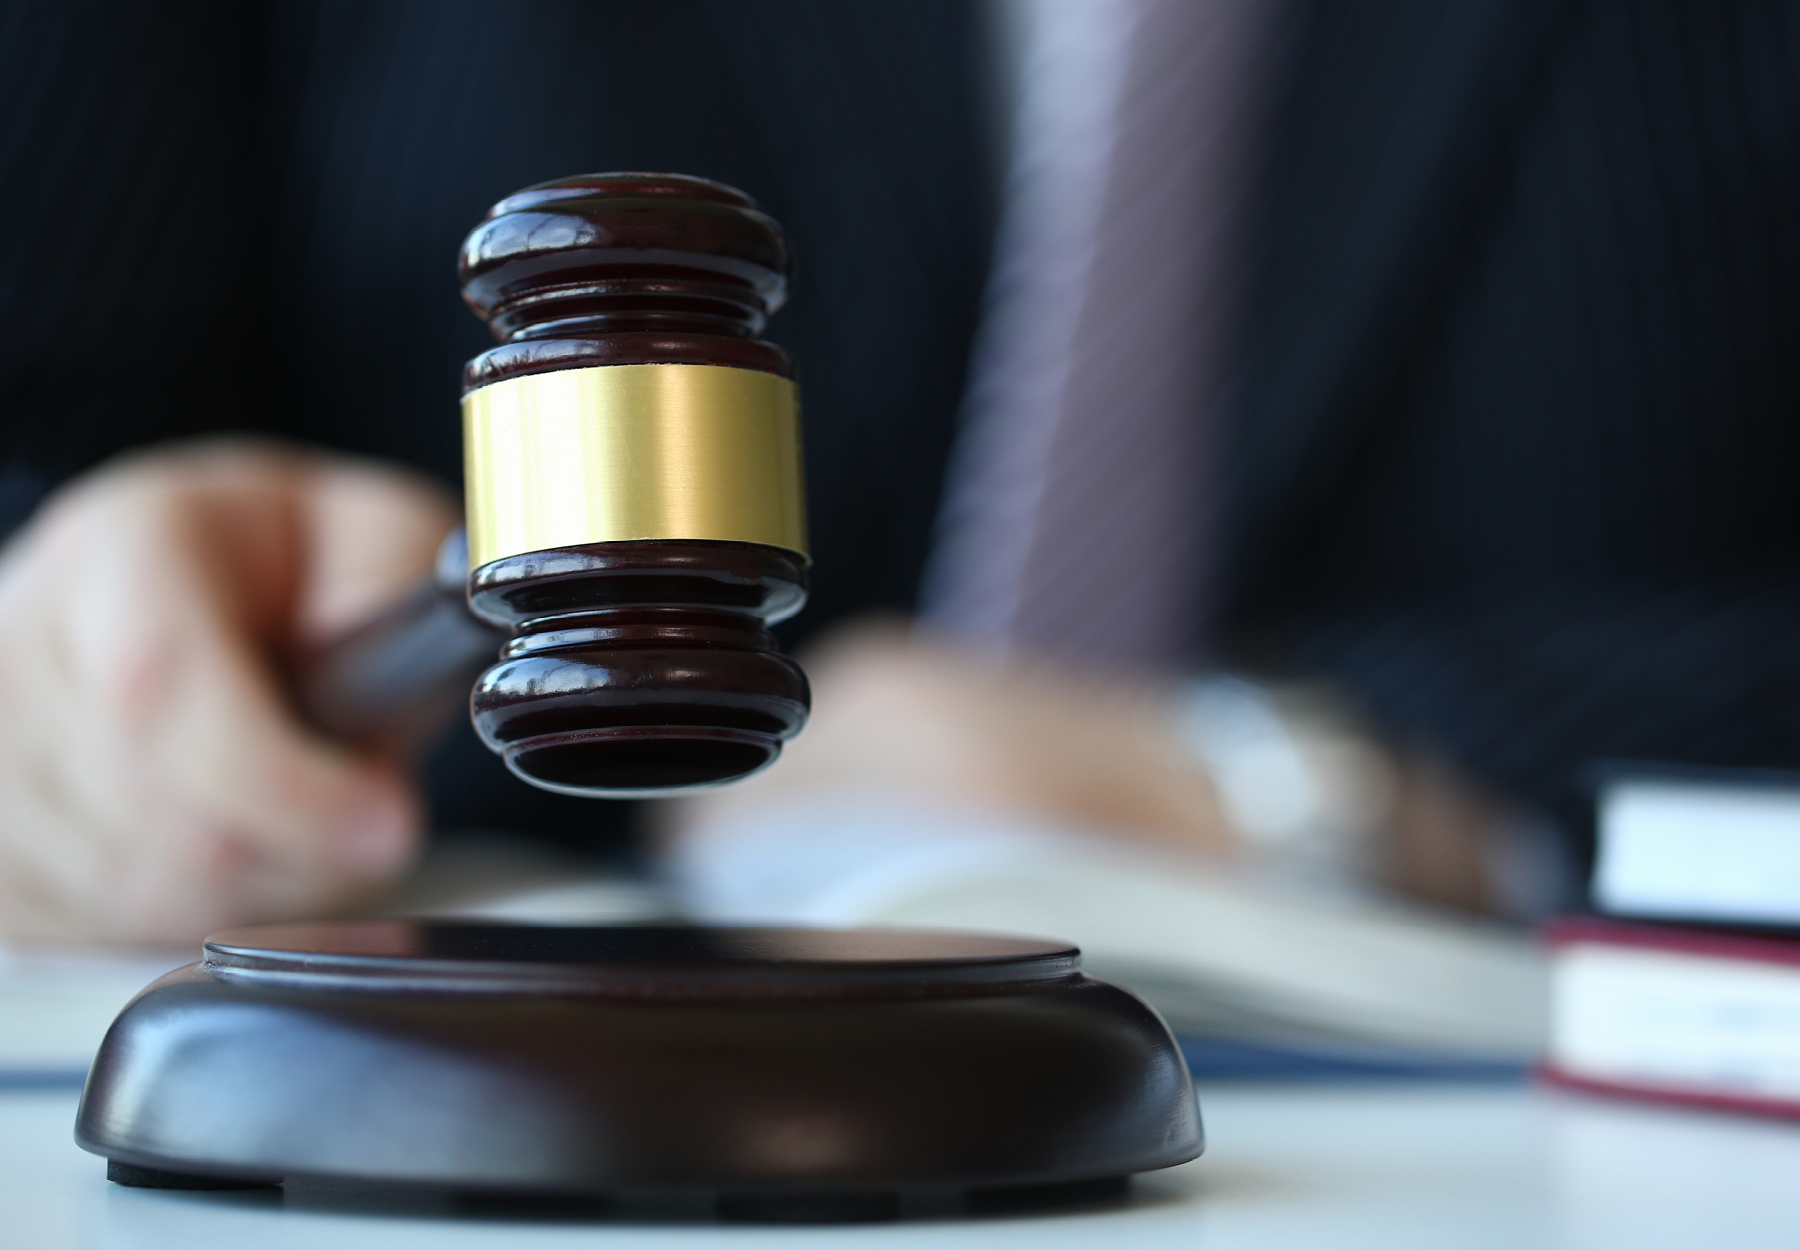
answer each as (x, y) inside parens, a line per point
(913, 714)
(155, 781)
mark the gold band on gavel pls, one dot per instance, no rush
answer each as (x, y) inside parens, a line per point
(632, 451)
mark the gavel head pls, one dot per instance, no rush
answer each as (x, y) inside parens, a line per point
(635, 508)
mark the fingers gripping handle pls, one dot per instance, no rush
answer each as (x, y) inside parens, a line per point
(395, 680)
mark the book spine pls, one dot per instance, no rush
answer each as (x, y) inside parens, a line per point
(1681, 1096)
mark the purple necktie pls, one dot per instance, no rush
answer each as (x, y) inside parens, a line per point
(1077, 504)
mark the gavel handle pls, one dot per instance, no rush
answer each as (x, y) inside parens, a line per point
(395, 680)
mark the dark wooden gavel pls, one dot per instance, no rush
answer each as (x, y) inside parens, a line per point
(635, 513)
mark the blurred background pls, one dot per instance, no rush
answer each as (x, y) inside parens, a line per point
(1304, 436)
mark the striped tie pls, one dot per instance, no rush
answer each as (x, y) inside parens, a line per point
(1077, 501)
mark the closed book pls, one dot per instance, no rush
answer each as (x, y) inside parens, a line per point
(1706, 846)
(1678, 1015)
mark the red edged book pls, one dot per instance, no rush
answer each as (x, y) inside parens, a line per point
(1679, 1015)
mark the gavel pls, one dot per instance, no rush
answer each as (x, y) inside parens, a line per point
(634, 519)
(635, 515)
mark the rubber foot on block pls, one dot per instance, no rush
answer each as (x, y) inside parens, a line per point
(154, 1178)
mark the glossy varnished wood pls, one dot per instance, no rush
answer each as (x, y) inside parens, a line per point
(745, 1064)
(647, 666)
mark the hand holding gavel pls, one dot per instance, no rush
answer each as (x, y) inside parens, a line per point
(157, 779)
(202, 734)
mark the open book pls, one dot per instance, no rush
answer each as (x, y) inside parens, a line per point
(1273, 972)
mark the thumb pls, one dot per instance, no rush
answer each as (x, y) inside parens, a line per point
(370, 533)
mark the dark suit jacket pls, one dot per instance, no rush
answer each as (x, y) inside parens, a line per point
(1518, 442)
(1515, 428)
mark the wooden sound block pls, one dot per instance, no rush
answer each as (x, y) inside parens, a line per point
(785, 1070)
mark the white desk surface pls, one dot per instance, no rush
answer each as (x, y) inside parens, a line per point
(1379, 1166)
